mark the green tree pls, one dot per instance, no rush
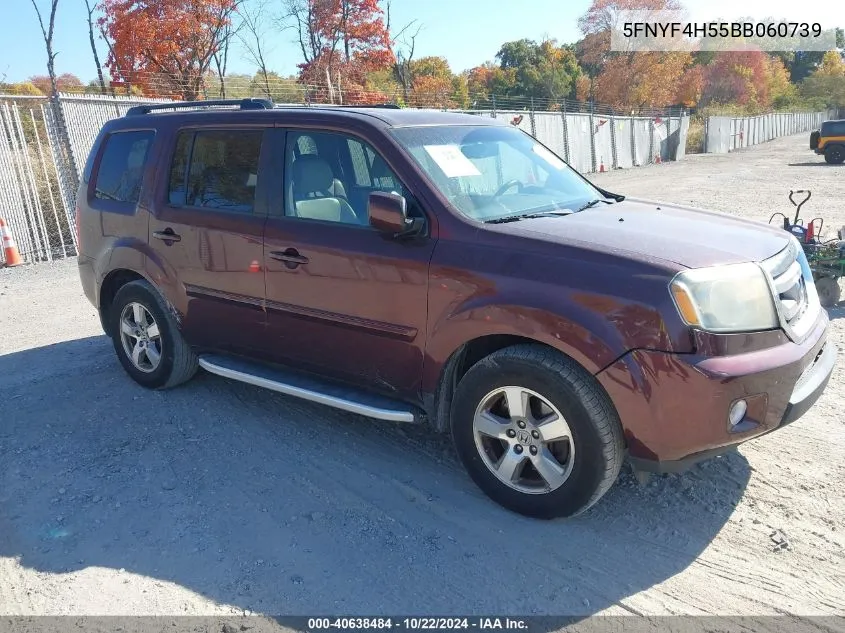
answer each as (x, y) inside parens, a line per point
(436, 67)
(460, 91)
(827, 84)
(542, 70)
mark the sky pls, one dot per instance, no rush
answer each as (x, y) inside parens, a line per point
(466, 32)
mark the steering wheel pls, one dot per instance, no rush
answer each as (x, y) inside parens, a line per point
(506, 186)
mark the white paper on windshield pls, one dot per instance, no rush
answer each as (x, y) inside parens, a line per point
(550, 158)
(450, 159)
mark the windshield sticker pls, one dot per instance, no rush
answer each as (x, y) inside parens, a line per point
(450, 159)
(550, 158)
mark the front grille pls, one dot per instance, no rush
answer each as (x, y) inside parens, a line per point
(794, 290)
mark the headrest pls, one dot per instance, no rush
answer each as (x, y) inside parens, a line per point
(312, 174)
(380, 169)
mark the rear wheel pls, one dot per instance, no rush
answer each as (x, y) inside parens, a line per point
(147, 340)
(536, 432)
(835, 154)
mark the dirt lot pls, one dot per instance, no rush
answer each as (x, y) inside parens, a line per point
(218, 498)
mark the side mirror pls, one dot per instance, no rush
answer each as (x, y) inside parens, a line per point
(388, 214)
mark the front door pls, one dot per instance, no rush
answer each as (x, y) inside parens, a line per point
(207, 229)
(342, 298)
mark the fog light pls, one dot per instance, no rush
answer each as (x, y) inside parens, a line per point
(737, 413)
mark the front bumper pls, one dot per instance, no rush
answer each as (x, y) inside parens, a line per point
(674, 407)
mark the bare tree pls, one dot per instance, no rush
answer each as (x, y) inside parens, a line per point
(220, 56)
(315, 40)
(312, 39)
(94, 46)
(254, 26)
(48, 42)
(113, 56)
(402, 45)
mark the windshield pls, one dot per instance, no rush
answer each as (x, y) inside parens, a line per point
(489, 173)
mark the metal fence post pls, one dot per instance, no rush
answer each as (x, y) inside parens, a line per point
(614, 160)
(633, 141)
(592, 137)
(565, 133)
(531, 119)
(651, 156)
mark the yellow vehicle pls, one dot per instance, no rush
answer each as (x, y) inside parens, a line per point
(830, 141)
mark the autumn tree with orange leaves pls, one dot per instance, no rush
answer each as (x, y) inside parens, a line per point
(631, 80)
(164, 47)
(738, 77)
(341, 42)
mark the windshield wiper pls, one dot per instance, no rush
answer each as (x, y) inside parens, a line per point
(523, 216)
(592, 203)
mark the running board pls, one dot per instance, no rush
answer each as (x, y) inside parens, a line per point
(299, 386)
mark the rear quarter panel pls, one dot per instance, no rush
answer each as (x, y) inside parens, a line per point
(113, 235)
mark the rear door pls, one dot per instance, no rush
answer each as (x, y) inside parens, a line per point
(343, 299)
(206, 230)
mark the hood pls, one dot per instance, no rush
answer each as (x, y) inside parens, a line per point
(690, 237)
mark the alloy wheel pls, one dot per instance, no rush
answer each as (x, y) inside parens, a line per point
(141, 337)
(523, 440)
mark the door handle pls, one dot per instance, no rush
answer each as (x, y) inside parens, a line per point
(289, 256)
(167, 235)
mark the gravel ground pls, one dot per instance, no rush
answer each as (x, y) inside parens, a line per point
(219, 498)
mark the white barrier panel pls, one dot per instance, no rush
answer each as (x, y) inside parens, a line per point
(726, 134)
(603, 139)
(580, 157)
(622, 130)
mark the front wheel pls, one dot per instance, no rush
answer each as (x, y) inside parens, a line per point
(536, 432)
(147, 340)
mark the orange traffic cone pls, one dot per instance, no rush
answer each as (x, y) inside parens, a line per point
(10, 249)
(601, 167)
(657, 159)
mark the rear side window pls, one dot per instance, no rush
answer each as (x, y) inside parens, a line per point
(122, 166)
(216, 170)
(837, 128)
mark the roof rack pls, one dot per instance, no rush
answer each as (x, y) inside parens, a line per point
(245, 104)
(389, 106)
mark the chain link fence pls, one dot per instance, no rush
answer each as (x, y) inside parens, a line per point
(44, 145)
(35, 199)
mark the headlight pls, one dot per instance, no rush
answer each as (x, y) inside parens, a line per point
(734, 298)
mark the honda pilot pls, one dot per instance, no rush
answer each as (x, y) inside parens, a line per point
(446, 269)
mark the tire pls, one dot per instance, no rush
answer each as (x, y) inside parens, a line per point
(834, 155)
(555, 385)
(829, 291)
(176, 361)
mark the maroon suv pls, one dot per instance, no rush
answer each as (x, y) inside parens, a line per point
(414, 266)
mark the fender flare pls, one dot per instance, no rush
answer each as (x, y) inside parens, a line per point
(449, 340)
(134, 256)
